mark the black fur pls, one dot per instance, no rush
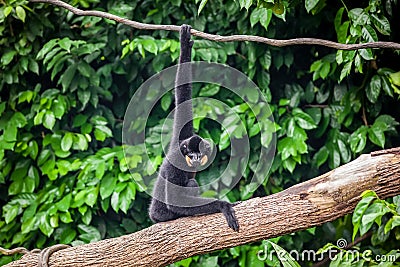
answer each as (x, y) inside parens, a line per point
(176, 182)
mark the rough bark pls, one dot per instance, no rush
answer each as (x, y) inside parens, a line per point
(322, 199)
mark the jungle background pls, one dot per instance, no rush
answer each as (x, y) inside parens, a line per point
(66, 81)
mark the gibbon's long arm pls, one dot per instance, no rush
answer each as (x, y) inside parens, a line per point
(183, 116)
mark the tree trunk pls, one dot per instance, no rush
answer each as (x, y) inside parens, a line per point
(322, 199)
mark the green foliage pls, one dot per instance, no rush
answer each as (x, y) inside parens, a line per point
(65, 83)
(372, 210)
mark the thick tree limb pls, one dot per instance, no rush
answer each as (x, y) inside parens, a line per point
(219, 38)
(302, 206)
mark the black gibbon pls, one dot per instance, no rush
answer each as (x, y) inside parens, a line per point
(176, 192)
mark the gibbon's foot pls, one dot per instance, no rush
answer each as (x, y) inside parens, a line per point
(230, 217)
(45, 254)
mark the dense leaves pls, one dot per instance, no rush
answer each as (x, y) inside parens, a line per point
(65, 83)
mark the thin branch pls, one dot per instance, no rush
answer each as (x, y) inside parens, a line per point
(219, 38)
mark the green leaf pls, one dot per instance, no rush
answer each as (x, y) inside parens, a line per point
(255, 16)
(303, 120)
(66, 141)
(366, 54)
(104, 129)
(18, 119)
(396, 221)
(67, 236)
(91, 196)
(79, 120)
(209, 90)
(84, 97)
(89, 233)
(201, 6)
(359, 16)
(344, 151)
(266, 60)
(66, 217)
(150, 46)
(33, 149)
(99, 135)
(253, 259)
(395, 78)
(20, 13)
(65, 43)
(10, 133)
(107, 186)
(265, 17)
(245, 3)
(358, 139)
(346, 70)
(338, 19)
(67, 77)
(289, 164)
(7, 10)
(7, 57)
(285, 258)
(376, 135)
(321, 156)
(58, 109)
(310, 4)
(386, 86)
(79, 199)
(324, 71)
(49, 120)
(80, 142)
(64, 203)
(381, 23)
(369, 34)
(374, 89)
(33, 66)
(11, 211)
(359, 212)
(115, 201)
(372, 214)
(85, 69)
(166, 102)
(28, 225)
(45, 226)
(252, 95)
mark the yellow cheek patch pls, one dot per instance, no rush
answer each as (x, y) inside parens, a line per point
(188, 161)
(204, 160)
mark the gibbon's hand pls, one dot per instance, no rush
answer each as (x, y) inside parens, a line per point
(185, 36)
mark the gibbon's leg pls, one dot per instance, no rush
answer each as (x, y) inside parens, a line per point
(160, 213)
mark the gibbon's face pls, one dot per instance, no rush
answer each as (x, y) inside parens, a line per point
(196, 151)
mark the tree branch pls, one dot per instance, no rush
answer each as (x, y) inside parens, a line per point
(219, 38)
(299, 207)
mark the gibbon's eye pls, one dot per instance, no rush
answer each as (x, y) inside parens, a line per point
(184, 146)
